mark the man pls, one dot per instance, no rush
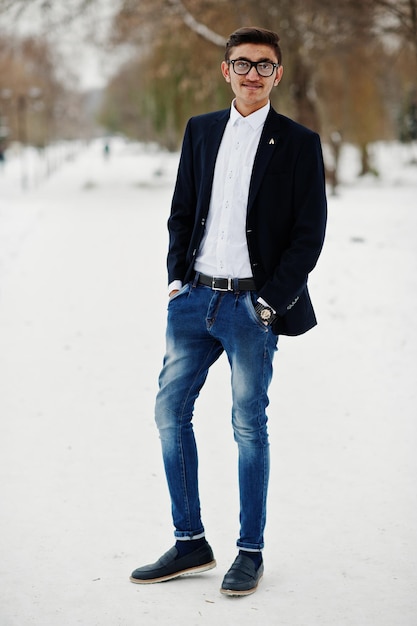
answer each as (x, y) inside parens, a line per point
(246, 228)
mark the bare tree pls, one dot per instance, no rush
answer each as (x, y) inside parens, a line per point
(398, 17)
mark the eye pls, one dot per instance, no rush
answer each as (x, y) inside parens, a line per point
(242, 65)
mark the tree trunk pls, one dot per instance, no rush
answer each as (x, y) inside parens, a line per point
(305, 105)
(366, 162)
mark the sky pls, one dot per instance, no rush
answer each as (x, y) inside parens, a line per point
(93, 64)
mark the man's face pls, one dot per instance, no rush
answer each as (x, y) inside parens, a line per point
(251, 90)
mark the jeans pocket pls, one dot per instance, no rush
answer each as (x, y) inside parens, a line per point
(251, 299)
(181, 292)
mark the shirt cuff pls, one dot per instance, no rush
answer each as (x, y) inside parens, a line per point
(262, 301)
(176, 284)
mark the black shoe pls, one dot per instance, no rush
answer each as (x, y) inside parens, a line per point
(168, 567)
(242, 578)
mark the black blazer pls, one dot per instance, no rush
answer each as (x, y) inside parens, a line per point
(286, 214)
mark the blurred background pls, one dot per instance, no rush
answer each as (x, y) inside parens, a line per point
(141, 68)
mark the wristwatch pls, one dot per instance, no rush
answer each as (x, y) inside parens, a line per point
(265, 313)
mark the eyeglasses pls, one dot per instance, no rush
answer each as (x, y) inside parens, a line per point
(243, 67)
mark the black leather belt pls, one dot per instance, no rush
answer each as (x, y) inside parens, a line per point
(227, 284)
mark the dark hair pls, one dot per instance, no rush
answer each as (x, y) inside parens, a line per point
(253, 35)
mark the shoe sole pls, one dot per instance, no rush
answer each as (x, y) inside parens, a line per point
(233, 593)
(185, 572)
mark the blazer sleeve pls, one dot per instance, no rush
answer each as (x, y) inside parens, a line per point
(182, 216)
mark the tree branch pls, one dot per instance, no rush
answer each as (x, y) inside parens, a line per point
(197, 27)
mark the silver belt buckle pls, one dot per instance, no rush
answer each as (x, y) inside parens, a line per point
(228, 288)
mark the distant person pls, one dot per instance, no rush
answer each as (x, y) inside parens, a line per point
(106, 150)
(246, 228)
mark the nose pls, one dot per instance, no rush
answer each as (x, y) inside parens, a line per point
(252, 74)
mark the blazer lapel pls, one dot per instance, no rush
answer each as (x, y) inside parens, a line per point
(267, 146)
(214, 136)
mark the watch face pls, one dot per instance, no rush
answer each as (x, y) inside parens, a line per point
(265, 314)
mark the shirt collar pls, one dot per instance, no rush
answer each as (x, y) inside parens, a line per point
(255, 119)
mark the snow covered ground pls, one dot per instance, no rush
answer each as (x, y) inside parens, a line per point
(83, 495)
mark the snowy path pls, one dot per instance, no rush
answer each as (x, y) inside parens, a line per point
(83, 496)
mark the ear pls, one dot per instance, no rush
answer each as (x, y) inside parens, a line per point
(226, 71)
(278, 77)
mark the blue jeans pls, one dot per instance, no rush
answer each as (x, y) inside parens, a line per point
(203, 323)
